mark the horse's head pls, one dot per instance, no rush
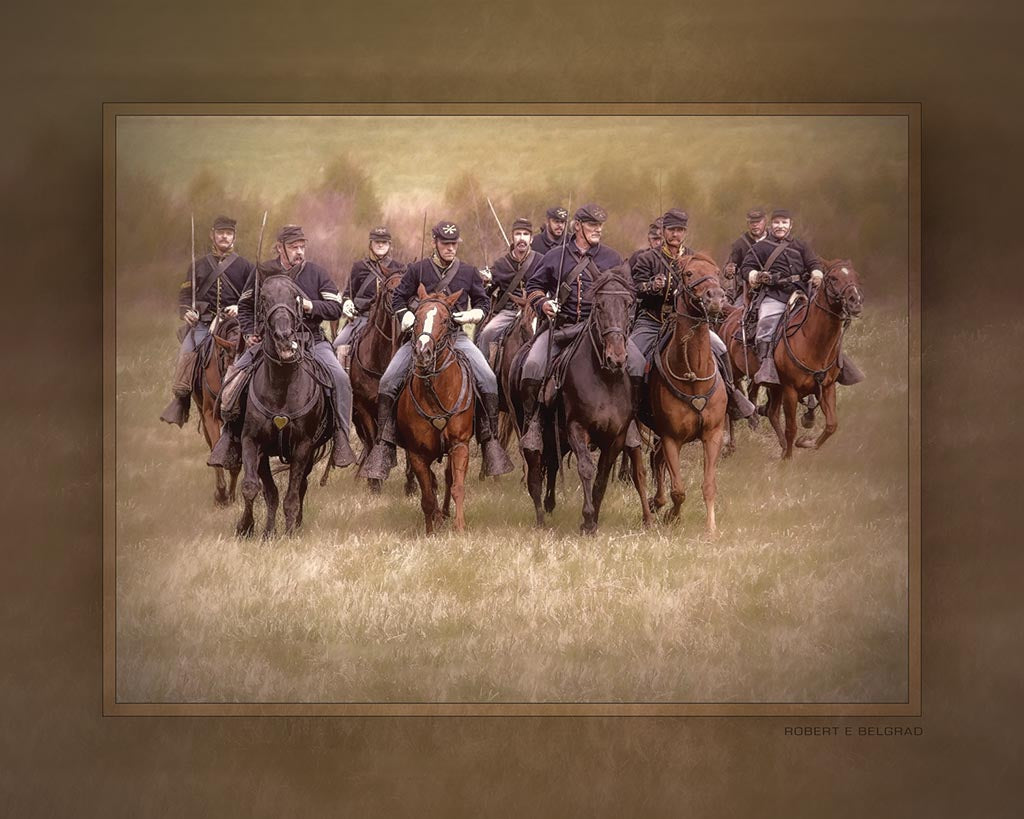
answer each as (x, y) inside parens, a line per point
(527, 322)
(842, 289)
(281, 309)
(700, 293)
(433, 326)
(730, 281)
(613, 295)
(227, 335)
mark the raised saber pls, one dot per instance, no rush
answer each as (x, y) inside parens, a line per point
(256, 284)
(192, 329)
(496, 219)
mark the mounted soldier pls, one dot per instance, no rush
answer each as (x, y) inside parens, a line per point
(654, 241)
(220, 278)
(508, 277)
(756, 231)
(561, 288)
(322, 302)
(775, 268)
(446, 274)
(551, 234)
(364, 282)
(657, 277)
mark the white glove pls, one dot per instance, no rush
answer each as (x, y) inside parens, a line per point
(191, 318)
(485, 274)
(474, 316)
(348, 309)
(816, 277)
(752, 278)
(307, 306)
(550, 307)
(231, 310)
(408, 320)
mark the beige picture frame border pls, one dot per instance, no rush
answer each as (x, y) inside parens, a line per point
(912, 707)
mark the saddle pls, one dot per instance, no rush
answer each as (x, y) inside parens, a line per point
(554, 378)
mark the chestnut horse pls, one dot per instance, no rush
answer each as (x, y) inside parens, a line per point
(371, 352)
(687, 392)
(521, 331)
(593, 404)
(436, 408)
(225, 340)
(808, 354)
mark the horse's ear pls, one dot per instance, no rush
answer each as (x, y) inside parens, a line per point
(454, 297)
(421, 291)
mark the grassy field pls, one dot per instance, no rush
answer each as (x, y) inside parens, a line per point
(802, 598)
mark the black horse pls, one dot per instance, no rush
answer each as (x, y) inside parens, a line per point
(288, 413)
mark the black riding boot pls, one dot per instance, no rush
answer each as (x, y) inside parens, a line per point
(342, 453)
(532, 437)
(227, 452)
(382, 457)
(739, 405)
(767, 374)
(496, 460)
(633, 432)
(177, 411)
(849, 373)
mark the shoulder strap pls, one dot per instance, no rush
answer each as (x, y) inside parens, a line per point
(514, 284)
(567, 283)
(215, 274)
(447, 278)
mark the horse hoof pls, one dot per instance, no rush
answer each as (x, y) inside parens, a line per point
(221, 500)
(244, 531)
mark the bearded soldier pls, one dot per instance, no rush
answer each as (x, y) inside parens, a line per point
(220, 279)
(561, 287)
(322, 302)
(551, 234)
(443, 273)
(364, 282)
(508, 276)
(756, 221)
(657, 274)
(775, 268)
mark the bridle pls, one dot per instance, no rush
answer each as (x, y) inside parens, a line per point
(835, 294)
(427, 370)
(298, 325)
(383, 322)
(595, 332)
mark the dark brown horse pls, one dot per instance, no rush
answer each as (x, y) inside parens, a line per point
(687, 392)
(371, 353)
(436, 408)
(808, 354)
(225, 339)
(287, 412)
(593, 405)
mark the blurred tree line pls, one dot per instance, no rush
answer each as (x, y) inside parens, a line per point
(853, 211)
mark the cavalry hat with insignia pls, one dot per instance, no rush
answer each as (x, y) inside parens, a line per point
(755, 215)
(522, 223)
(781, 213)
(674, 218)
(224, 223)
(445, 231)
(380, 234)
(591, 213)
(559, 214)
(290, 233)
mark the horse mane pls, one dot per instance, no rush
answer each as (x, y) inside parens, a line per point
(702, 256)
(618, 274)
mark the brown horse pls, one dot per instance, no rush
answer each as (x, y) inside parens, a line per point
(593, 405)
(808, 354)
(225, 340)
(519, 333)
(687, 392)
(436, 408)
(371, 352)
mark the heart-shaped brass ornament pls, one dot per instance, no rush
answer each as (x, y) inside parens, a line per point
(440, 423)
(280, 421)
(699, 403)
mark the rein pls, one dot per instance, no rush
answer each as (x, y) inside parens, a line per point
(829, 296)
(386, 320)
(426, 372)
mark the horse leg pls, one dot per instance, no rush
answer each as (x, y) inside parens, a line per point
(448, 487)
(828, 407)
(585, 466)
(535, 481)
(411, 476)
(270, 497)
(639, 475)
(458, 462)
(712, 446)
(428, 499)
(625, 472)
(728, 441)
(789, 403)
(774, 405)
(670, 452)
(233, 485)
(302, 458)
(250, 486)
(302, 493)
(658, 471)
(605, 462)
(552, 467)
